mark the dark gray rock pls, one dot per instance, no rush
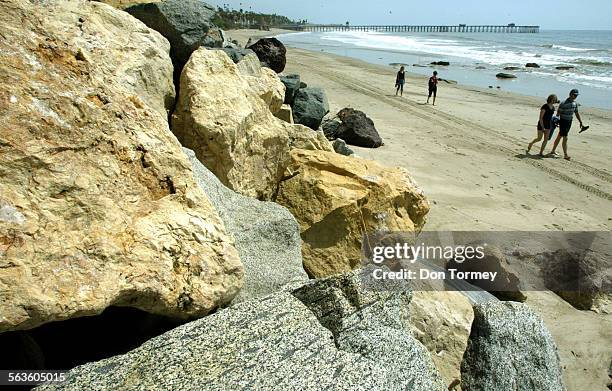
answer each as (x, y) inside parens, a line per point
(357, 129)
(510, 348)
(271, 53)
(187, 24)
(532, 65)
(512, 68)
(303, 85)
(236, 54)
(327, 335)
(505, 76)
(565, 67)
(443, 63)
(582, 278)
(310, 106)
(267, 235)
(506, 285)
(331, 128)
(341, 147)
(292, 85)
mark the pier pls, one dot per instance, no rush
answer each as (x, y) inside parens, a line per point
(510, 28)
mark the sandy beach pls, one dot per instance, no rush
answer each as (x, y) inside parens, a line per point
(468, 154)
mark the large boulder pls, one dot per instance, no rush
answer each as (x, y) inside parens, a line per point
(100, 206)
(582, 278)
(503, 75)
(187, 24)
(510, 348)
(292, 85)
(348, 339)
(224, 120)
(441, 321)
(271, 52)
(357, 129)
(336, 199)
(506, 286)
(310, 106)
(267, 236)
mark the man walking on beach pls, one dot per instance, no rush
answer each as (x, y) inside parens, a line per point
(433, 87)
(566, 113)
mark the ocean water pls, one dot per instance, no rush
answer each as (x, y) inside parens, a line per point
(589, 52)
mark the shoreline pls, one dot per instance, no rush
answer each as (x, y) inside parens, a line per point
(242, 36)
(544, 80)
(468, 154)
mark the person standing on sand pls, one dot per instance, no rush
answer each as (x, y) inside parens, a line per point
(566, 113)
(433, 87)
(400, 80)
(545, 123)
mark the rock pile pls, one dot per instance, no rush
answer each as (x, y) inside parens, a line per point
(187, 24)
(240, 141)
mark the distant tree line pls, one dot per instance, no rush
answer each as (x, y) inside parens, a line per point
(228, 19)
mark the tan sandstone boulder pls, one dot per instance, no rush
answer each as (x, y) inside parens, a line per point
(264, 81)
(98, 203)
(224, 120)
(336, 199)
(442, 322)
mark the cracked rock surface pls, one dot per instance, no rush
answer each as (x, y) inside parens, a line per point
(329, 334)
(98, 203)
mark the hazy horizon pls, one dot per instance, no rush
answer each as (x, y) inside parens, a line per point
(556, 15)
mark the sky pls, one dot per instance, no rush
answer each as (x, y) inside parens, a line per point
(552, 15)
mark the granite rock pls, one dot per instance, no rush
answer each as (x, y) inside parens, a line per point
(267, 236)
(510, 348)
(285, 341)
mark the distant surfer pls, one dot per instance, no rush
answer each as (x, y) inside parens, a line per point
(545, 123)
(433, 87)
(566, 112)
(400, 80)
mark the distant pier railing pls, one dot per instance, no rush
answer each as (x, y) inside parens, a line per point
(511, 28)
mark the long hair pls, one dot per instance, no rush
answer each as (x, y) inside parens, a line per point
(552, 99)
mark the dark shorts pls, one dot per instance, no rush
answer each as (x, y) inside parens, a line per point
(433, 91)
(546, 124)
(564, 127)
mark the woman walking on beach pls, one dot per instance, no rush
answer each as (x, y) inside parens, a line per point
(545, 123)
(400, 79)
(433, 87)
(566, 112)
